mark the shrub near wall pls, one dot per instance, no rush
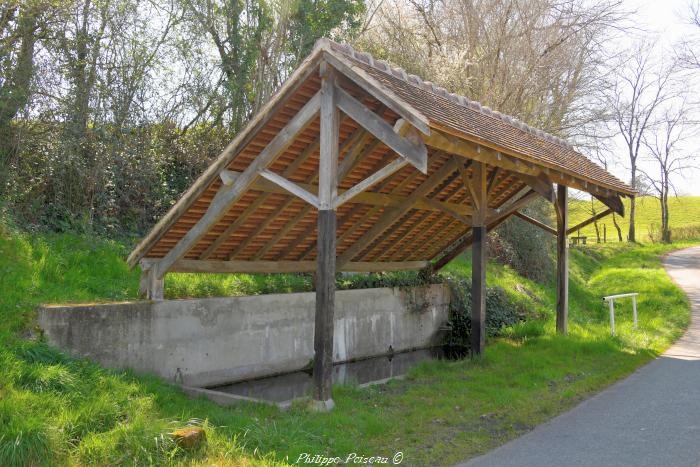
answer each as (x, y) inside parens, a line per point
(500, 312)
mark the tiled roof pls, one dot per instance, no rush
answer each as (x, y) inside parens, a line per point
(481, 123)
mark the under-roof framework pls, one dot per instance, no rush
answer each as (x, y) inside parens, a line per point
(357, 166)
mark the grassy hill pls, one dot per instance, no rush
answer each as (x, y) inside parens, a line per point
(57, 410)
(684, 212)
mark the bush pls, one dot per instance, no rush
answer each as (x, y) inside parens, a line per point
(523, 246)
(500, 313)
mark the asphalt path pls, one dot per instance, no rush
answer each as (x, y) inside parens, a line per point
(651, 418)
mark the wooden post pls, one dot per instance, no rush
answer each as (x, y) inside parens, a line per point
(325, 271)
(150, 287)
(562, 261)
(478, 331)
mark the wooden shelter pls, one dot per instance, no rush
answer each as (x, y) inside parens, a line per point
(357, 166)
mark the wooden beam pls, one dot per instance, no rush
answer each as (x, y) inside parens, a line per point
(415, 153)
(613, 202)
(562, 260)
(326, 240)
(394, 213)
(447, 210)
(507, 210)
(262, 118)
(478, 184)
(535, 222)
(588, 221)
(541, 185)
(373, 179)
(459, 147)
(228, 195)
(275, 267)
(376, 90)
(240, 220)
(150, 287)
(290, 187)
(368, 197)
(478, 318)
(463, 243)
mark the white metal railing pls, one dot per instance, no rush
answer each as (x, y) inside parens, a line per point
(611, 302)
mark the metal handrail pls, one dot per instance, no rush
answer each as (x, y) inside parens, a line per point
(611, 302)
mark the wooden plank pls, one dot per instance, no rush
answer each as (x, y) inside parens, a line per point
(371, 180)
(240, 220)
(376, 90)
(290, 187)
(394, 213)
(459, 147)
(535, 222)
(447, 210)
(589, 221)
(220, 205)
(274, 267)
(276, 102)
(562, 261)
(416, 153)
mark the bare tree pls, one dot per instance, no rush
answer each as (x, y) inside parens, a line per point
(641, 86)
(665, 149)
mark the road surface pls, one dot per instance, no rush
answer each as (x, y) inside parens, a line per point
(651, 418)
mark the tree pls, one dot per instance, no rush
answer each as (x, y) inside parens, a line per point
(641, 86)
(665, 149)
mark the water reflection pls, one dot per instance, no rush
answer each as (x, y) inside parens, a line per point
(283, 388)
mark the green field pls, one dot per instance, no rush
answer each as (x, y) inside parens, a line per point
(684, 211)
(56, 410)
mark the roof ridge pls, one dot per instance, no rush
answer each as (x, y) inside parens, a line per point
(417, 81)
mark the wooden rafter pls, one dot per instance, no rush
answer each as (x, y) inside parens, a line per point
(392, 214)
(589, 221)
(416, 153)
(228, 195)
(535, 222)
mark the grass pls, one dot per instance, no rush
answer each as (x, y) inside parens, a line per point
(56, 410)
(684, 211)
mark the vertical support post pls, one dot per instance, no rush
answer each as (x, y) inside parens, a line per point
(611, 303)
(150, 287)
(326, 252)
(634, 310)
(562, 261)
(478, 331)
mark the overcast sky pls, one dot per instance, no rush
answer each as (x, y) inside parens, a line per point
(667, 20)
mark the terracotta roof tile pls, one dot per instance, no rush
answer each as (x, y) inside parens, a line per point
(480, 122)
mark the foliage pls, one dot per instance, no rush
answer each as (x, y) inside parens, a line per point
(58, 410)
(525, 247)
(500, 313)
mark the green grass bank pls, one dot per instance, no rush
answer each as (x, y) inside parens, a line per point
(55, 410)
(684, 215)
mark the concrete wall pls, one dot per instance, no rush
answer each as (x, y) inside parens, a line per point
(210, 341)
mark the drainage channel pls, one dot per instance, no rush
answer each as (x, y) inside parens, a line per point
(282, 389)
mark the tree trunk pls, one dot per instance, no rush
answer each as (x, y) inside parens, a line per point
(14, 92)
(631, 235)
(617, 227)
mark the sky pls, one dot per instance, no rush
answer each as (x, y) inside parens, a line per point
(665, 20)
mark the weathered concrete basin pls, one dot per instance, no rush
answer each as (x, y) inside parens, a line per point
(211, 341)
